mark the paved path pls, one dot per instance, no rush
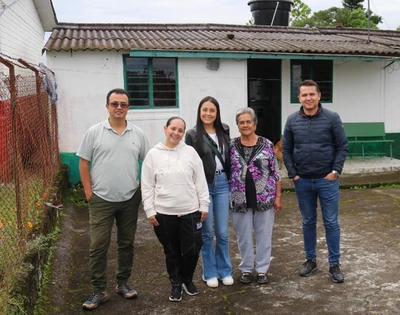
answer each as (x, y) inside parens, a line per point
(370, 223)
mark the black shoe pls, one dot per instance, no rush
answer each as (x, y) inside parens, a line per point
(190, 288)
(245, 277)
(176, 293)
(262, 278)
(335, 273)
(94, 300)
(308, 267)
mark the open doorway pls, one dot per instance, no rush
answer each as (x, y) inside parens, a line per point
(264, 96)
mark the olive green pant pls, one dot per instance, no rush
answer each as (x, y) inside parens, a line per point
(102, 215)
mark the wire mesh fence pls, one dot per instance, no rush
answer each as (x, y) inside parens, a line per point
(29, 162)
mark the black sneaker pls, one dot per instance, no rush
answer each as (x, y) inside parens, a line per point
(308, 267)
(190, 288)
(176, 293)
(125, 290)
(94, 300)
(262, 278)
(335, 273)
(245, 277)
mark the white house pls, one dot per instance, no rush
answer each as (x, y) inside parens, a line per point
(23, 25)
(169, 68)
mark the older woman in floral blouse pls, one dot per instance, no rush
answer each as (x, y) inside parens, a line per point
(255, 187)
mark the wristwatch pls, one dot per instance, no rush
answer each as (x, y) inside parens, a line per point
(336, 173)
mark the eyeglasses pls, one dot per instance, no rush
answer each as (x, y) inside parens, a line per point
(116, 104)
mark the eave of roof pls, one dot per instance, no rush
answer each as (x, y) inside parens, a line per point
(46, 13)
(220, 38)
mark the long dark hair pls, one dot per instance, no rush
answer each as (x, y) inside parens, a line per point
(219, 129)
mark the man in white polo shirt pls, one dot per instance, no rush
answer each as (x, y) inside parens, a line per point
(111, 184)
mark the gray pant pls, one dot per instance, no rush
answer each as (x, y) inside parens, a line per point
(243, 224)
(102, 216)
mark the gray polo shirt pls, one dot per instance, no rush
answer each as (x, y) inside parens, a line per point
(114, 168)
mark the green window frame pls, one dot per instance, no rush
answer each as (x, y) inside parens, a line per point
(152, 83)
(321, 71)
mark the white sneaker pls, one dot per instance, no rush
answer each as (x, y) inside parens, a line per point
(212, 283)
(228, 280)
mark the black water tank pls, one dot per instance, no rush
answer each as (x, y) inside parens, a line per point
(263, 11)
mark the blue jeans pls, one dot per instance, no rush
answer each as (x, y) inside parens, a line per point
(307, 191)
(216, 262)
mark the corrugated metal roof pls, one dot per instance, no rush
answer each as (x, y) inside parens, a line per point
(222, 38)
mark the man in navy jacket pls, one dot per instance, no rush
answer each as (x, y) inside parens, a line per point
(314, 150)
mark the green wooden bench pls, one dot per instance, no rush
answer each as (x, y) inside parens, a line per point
(365, 133)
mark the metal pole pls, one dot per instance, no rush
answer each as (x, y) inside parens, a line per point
(14, 139)
(369, 23)
(276, 9)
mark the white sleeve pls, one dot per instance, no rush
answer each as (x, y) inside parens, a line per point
(200, 182)
(148, 183)
(85, 150)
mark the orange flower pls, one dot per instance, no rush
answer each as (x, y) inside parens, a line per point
(44, 195)
(1, 224)
(30, 224)
(38, 204)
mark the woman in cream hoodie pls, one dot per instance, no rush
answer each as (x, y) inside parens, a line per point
(175, 199)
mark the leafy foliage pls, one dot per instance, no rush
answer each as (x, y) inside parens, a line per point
(300, 12)
(351, 15)
(352, 4)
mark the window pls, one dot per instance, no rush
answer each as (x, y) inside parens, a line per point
(151, 82)
(321, 71)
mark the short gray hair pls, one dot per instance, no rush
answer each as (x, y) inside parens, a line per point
(246, 110)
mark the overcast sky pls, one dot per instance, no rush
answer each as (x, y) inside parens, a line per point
(192, 11)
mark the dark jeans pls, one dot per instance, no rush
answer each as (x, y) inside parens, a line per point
(102, 215)
(182, 240)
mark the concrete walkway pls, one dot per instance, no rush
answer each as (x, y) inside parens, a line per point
(358, 166)
(371, 165)
(370, 225)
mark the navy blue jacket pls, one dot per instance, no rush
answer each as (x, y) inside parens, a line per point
(313, 146)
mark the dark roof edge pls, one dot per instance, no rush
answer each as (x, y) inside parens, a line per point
(224, 27)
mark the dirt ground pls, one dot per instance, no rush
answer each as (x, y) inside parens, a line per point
(370, 222)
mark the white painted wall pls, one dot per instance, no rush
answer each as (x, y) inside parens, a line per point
(21, 33)
(362, 92)
(85, 77)
(83, 80)
(391, 96)
(228, 85)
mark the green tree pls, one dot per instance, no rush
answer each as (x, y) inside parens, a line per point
(398, 29)
(358, 19)
(325, 18)
(300, 13)
(335, 16)
(375, 18)
(352, 4)
(352, 14)
(358, 4)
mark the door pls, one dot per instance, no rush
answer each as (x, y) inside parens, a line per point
(264, 96)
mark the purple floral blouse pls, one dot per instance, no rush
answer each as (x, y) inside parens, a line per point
(264, 170)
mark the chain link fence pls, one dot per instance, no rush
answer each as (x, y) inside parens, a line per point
(29, 162)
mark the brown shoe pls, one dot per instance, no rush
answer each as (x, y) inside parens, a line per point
(125, 290)
(94, 300)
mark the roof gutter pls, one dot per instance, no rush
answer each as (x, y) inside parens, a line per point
(241, 55)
